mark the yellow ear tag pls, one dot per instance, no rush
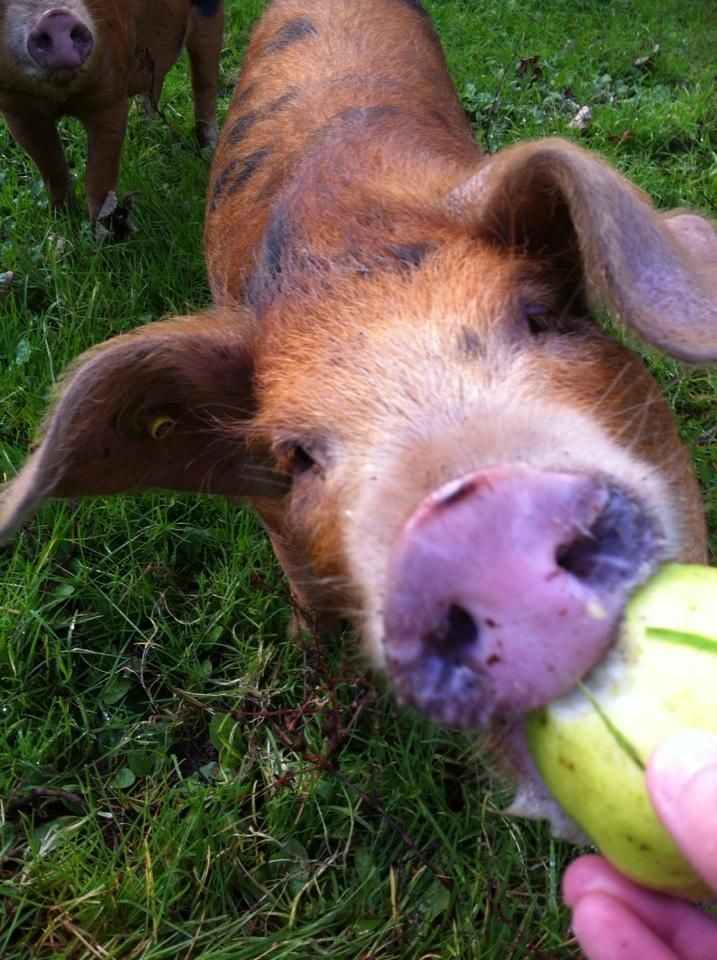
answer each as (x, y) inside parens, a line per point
(159, 427)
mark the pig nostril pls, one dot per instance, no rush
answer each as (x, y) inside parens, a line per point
(43, 42)
(579, 557)
(621, 540)
(454, 638)
(462, 629)
(80, 35)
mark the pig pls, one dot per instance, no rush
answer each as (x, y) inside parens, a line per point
(84, 58)
(402, 371)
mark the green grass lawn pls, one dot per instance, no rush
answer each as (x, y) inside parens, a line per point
(177, 778)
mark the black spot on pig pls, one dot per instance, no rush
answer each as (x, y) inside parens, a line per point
(277, 105)
(236, 173)
(469, 344)
(272, 260)
(276, 243)
(245, 169)
(409, 255)
(241, 127)
(220, 184)
(243, 98)
(291, 32)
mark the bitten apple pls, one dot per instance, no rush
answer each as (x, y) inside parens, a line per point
(592, 745)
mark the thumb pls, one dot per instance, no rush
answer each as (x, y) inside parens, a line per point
(682, 783)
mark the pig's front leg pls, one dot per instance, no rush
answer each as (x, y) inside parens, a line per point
(105, 136)
(39, 139)
(204, 44)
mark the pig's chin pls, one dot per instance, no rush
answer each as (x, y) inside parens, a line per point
(62, 80)
(482, 625)
(55, 85)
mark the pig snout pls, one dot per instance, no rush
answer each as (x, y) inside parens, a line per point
(506, 586)
(60, 41)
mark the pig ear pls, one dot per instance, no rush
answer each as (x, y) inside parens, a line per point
(657, 273)
(163, 407)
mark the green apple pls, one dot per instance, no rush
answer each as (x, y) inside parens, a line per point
(592, 745)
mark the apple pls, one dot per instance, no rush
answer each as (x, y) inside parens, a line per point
(591, 745)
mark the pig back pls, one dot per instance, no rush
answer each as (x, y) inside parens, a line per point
(321, 117)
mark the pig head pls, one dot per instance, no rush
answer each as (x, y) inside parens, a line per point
(403, 373)
(85, 58)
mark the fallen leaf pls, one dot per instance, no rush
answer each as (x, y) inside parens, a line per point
(113, 220)
(648, 62)
(582, 119)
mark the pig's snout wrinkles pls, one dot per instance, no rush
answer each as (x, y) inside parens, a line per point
(60, 40)
(506, 586)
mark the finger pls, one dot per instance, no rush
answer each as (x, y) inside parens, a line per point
(681, 926)
(607, 930)
(682, 782)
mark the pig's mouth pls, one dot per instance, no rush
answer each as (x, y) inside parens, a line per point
(57, 84)
(62, 76)
(508, 586)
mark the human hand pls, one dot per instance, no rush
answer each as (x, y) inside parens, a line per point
(614, 918)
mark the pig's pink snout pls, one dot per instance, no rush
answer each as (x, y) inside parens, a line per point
(60, 40)
(505, 587)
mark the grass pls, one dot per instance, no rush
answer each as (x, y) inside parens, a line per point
(178, 779)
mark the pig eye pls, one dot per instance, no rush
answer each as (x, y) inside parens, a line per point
(539, 319)
(300, 460)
